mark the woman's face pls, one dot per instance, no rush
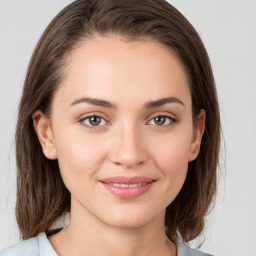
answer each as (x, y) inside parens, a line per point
(121, 129)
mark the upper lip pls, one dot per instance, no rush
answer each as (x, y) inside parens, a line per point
(127, 180)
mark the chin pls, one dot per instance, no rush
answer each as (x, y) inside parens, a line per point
(127, 224)
(130, 219)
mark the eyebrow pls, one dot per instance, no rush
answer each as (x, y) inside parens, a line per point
(107, 104)
(94, 101)
(161, 102)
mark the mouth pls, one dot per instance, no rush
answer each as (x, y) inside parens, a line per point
(123, 185)
(127, 187)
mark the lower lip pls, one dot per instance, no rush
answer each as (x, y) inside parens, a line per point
(128, 193)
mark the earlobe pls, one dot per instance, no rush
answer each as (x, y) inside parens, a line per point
(197, 135)
(44, 133)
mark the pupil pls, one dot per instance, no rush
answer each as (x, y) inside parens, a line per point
(160, 120)
(94, 120)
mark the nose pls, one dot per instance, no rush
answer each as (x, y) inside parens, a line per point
(129, 148)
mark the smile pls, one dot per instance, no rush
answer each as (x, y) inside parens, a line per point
(127, 187)
(122, 185)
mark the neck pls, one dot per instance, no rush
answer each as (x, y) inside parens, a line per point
(89, 236)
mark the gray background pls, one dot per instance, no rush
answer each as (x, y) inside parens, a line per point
(228, 29)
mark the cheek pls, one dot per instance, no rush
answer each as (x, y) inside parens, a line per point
(172, 150)
(79, 156)
(171, 158)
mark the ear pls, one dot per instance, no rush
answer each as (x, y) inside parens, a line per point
(197, 135)
(44, 133)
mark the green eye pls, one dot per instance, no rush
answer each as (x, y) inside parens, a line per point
(93, 121)
(162, 120)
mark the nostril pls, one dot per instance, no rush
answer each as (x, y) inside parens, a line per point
(128, 151)
(128, 164)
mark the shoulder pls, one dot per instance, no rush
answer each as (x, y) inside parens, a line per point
(27, 247)
(36, 246)
(184, 250)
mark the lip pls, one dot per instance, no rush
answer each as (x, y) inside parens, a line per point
(127, 187)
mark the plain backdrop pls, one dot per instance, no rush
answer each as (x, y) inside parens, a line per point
(228, 29)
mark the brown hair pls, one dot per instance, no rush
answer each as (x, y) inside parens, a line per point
(42, 197)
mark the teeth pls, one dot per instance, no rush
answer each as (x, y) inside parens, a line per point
(122, 185)
(134, 185)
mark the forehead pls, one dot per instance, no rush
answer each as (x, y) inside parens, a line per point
(108, 66)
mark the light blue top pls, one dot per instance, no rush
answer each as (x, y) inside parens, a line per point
(40, 246)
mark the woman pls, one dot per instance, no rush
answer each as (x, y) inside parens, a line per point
(119, 126)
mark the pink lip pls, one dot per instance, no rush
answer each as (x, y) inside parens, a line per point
(127, 192)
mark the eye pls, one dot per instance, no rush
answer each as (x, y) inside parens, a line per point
(93, 122)
(162, 120)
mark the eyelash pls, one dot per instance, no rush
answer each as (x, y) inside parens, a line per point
(82, 120)
(171, 121)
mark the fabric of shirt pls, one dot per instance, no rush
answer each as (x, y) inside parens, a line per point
(40, 246)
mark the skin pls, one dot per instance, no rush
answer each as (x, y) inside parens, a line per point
(128, 141)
